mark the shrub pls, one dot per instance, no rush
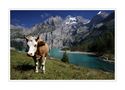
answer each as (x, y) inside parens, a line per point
(65, 58)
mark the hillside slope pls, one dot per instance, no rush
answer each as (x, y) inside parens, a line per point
(22, 68)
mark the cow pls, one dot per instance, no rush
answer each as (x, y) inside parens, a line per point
(38, 50)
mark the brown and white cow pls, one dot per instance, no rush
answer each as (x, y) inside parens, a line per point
(38, 50)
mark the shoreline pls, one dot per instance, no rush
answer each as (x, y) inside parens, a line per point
(79, 52)
(108, 61)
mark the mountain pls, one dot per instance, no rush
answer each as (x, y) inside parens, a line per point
(70, 31)
(17, 31)
(101, 37)
(61, 32)
(47, 26)
(17, 37)
(101, 15)
(75, 20)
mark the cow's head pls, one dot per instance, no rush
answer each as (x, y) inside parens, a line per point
(32, 45)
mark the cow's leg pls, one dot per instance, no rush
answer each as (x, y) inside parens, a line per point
(43, 64)
(37, 66)
(36, 61)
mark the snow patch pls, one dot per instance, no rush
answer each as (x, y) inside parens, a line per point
(99, 12)
(87, 22)
(71, 20)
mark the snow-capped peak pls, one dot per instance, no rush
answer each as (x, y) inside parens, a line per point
(99, 12)
(71, 20)
(102, 14)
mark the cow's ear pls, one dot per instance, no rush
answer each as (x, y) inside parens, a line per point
(37, 38)
(41, 43)
(26, 38)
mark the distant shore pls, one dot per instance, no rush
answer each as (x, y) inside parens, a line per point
(79, 52)
(111, 61)
(104, 58)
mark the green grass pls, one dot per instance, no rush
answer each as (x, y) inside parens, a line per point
(22, 68)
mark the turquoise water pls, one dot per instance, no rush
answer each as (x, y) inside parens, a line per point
(85, 60)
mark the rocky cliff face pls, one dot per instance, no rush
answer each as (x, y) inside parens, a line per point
(63, 32)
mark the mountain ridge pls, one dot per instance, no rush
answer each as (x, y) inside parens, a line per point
(61, 32)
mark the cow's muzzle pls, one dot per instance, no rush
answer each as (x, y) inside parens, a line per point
(29, 54)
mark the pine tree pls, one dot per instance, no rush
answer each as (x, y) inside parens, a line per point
(65, 58)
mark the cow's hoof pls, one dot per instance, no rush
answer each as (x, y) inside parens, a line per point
(43, 71)
(37, 71)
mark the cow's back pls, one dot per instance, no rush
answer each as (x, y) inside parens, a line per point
(43, 50)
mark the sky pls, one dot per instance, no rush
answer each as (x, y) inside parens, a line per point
(28, 18)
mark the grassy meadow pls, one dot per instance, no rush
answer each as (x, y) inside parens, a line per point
(22, 68)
